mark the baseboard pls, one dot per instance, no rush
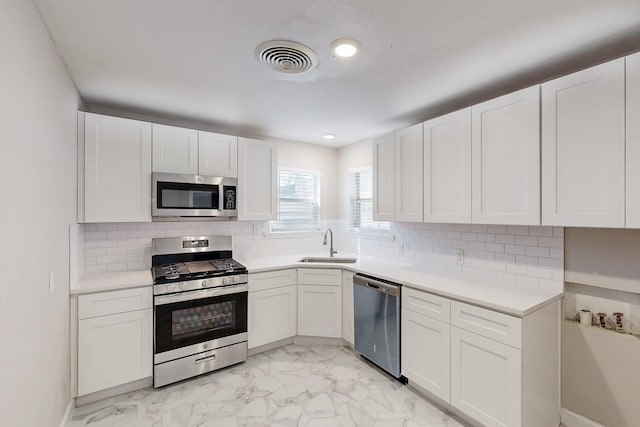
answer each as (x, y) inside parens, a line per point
(270, 346)
(307, 340)
(445, 407)
(114, 391)
(67, 413)
(571, 419)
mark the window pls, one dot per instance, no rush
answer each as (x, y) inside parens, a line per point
(362, 203)
(298, 200)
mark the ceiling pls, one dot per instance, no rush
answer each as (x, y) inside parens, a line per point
(194, 60)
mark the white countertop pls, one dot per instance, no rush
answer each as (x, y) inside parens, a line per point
(99, 282)
(507, 298)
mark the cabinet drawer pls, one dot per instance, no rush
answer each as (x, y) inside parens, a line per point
(271, 279)
(427, 304)
(497, 326)
(104, 303)
(319, 276)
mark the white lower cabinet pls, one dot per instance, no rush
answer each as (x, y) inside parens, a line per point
(272, 315)
(114, 349)
(273, 307)
(499, 369)
(320, 311)
(347, 307)
(425, 352)
(486, 379)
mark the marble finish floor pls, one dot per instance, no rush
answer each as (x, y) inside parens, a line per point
(306, 386)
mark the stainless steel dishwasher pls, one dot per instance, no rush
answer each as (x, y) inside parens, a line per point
(377, 321)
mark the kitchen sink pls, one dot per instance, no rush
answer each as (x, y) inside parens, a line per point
(329, 260)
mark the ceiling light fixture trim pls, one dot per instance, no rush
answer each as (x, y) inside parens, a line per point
(286, 56)
(345, 48)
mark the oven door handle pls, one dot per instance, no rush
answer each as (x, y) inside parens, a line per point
(200, 294)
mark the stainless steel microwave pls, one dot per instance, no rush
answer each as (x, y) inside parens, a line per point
(177, 195)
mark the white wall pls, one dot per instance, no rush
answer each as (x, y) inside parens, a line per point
(38, 104)
(298, 155)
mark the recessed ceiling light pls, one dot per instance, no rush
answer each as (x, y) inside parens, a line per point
(329, 136)
(345, 48)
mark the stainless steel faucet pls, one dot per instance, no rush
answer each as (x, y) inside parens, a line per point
(331, 251)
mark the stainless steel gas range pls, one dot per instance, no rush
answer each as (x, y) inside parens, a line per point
(200, 307)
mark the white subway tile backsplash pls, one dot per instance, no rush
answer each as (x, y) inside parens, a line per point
(552, 242)
(518, 229)
(527, 240)
(520, 255)
(537, 251)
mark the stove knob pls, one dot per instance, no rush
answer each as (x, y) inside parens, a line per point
(205, 283)
(181, 286)
(171, 287)
(226, 280)
(236, 279)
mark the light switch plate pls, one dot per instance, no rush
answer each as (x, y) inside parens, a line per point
(52, 281)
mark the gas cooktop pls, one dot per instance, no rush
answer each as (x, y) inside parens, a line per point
(194, 270)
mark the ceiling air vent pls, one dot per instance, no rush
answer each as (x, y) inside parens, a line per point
(286, 56)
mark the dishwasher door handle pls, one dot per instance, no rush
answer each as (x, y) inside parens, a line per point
(386, 288)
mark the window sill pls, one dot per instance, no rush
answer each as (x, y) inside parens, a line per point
(372, 235)
(292, 234)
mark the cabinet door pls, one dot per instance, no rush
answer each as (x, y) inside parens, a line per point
(257, 175)
(347, 307)
(486, 379)
(175, 150)
(114, 350)
(506, 159)
(384, 175)
(425, 353)
(447, 168)
(583, 148)
(116, 183)
(217, 154)
(633, 141)
(409, 177)
(272, 315)
(320, 311)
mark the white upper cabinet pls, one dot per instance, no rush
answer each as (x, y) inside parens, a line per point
(447, 168)
(633, 141)
(175, 150)
(217, 154)
(384, 166)
(506, 159)
(114, 169)
(257, 175)
(583, 148)
(409, 178)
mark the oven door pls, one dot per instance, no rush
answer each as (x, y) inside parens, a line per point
(190, 318)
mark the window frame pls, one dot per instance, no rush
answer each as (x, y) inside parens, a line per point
(276, 226)
(385, 226)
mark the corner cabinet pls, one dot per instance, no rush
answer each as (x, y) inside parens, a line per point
(633, 141)
(384, 167)
(114, 169)
(506, 159)
(447, 168)
(257, 176)
(409, 180)
(583, 148)
(320, 302)
(273, 308)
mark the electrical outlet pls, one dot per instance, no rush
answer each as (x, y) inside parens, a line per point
(459, 256)
(52, 281)
(401, 249)
(256, 229)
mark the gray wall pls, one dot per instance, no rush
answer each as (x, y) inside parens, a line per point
(38, 105)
